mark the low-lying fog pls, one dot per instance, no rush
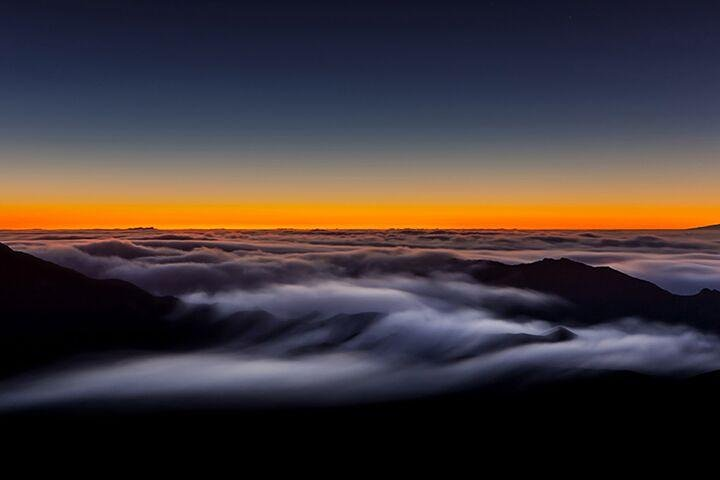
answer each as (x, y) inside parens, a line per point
(356, 316)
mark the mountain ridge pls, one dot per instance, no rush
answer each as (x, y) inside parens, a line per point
(707, 227)
(598, 294)
(49, 311)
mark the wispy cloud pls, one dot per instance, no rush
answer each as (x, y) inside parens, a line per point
(364, 315)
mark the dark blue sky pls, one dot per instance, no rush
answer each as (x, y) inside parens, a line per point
(149, 73)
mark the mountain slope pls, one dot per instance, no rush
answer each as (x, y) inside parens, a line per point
(48, 311)
(707, 227)
(599, 294)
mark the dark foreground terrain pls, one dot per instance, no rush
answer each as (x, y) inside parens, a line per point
(621, 417)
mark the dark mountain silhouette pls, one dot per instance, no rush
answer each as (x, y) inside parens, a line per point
(707, 227)
(597, 294)
(48, 311)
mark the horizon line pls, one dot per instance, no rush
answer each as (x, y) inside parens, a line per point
(339, 228)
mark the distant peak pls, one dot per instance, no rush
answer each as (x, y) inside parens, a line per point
(560, 334)
(559, 261)
(709, 291)
(707, 227)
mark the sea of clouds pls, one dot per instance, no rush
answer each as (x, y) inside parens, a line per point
(355, 316)
(179, 262)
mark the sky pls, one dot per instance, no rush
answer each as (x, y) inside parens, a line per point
(514, 114)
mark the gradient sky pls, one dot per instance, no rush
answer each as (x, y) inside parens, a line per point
(530, 114)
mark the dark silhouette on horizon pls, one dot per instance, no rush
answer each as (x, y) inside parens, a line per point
(707, 227)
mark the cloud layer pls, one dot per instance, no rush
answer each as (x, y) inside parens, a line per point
(182, 262)
(329, 317)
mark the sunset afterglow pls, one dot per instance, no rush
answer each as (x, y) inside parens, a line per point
(330, 216)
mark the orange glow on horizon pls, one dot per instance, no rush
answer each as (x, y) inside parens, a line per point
(176, 216)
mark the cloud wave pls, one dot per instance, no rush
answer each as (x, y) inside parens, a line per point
(328, 317)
